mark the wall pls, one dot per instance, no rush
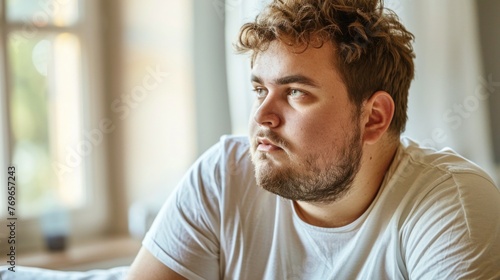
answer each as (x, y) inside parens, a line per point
(167, 95)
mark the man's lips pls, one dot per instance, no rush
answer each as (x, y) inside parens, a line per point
(265, 145)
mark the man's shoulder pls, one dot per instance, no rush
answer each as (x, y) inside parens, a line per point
(424, 174)
(234, 148)
(231, 142)
(227, 148)
(439, 162)
(442, 198)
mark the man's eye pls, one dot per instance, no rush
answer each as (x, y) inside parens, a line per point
(296, 93)
(260, 92)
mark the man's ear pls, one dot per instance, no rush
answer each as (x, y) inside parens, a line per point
(378, 111)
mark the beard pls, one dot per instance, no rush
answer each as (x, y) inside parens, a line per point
(323, 178)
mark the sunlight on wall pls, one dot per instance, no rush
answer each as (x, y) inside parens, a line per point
(158, 96)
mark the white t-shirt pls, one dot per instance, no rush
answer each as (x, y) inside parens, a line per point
(436, 216)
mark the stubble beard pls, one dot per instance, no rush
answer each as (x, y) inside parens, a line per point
(307, 181)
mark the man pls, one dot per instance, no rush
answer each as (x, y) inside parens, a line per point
(325, 188)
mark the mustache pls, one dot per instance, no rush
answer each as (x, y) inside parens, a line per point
(273, 137)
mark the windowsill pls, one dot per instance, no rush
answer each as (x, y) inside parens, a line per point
(85, 256)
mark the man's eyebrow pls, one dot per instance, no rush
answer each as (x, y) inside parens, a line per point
(255, 79)
(296, 79)
(292, 79)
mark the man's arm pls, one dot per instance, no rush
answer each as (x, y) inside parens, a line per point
(146, 266)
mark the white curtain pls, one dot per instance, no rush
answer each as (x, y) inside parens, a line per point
(448, 97)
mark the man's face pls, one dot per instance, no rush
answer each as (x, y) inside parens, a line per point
(305, 132)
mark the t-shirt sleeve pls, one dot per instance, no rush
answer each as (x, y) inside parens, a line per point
(185, 233)
(455, 231)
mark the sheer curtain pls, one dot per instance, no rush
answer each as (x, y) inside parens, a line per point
(448, 97)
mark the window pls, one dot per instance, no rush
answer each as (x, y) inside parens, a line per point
(50, 96)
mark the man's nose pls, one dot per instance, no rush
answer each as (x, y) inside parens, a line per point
(267, 113)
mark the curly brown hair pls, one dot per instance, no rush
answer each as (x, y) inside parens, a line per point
(373, 48)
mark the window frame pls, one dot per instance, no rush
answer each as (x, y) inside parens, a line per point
(91, 220)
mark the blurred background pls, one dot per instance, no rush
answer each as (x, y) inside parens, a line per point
(105, 104)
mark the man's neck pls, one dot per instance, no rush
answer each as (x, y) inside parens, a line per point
(375, 163)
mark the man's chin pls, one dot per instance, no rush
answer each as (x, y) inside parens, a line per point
(267, 165)
(276, 158)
